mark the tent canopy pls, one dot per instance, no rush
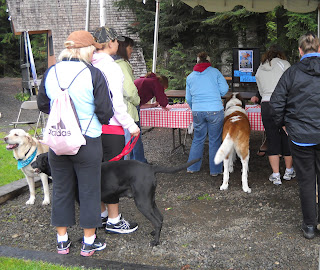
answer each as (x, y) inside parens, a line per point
(301, 6)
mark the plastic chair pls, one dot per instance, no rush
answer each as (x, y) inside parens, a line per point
(24, 116)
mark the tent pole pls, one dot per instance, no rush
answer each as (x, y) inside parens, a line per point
(88, 15)
(155, 41)
(103, 18)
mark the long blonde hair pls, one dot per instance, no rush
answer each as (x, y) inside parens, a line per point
(84, 54)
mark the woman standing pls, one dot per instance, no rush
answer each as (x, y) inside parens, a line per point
(113, 140)
(90, 95)
(130, 93)
(272, 66)
(205, 87)
(295, 106)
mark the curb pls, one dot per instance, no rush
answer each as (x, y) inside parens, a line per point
(70, 260)
(15, 188)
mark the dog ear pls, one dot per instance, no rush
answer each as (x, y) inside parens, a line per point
(238, 96)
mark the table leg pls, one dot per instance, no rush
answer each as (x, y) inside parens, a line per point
(174, 147)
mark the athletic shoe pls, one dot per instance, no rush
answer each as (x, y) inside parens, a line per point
(88, 250)
(104, 221)
(122, 226)
(63, 247)
(288, 176)
(275, 180)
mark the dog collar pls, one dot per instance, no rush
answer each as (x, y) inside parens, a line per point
(24, 162)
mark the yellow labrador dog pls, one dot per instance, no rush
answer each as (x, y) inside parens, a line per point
(25, 150)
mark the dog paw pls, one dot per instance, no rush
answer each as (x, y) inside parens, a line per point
(247, 189)
(30, 201)
(223, 187)
(46, 202)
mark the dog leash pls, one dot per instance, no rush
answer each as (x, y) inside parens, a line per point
(127, 149)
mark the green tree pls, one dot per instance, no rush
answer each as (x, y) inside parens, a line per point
(9, 45)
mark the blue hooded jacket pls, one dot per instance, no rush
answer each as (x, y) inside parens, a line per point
(205, 87)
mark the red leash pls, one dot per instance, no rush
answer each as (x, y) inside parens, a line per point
(127, 149)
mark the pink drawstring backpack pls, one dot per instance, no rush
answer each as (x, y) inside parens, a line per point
(63, 131)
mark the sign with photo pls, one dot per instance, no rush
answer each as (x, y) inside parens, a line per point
(246, 60)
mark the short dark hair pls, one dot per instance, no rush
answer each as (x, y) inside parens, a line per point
(122, 50)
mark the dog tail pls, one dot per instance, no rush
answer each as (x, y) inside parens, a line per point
(160, 169)
(224, 149)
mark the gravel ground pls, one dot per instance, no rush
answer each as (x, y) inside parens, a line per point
(203, 228)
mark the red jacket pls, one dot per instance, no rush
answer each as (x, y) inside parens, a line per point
(151, 87)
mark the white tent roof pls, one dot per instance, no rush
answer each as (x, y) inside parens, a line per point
(301, 6)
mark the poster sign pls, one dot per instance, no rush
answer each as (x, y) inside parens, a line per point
(246, 60)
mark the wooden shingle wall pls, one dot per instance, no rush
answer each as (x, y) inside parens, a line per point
(62, 17)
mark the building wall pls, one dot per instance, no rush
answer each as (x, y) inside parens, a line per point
(62, 17)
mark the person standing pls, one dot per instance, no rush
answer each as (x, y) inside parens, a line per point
(113, 140)
(131, 96)
(88, 89)
(205, 87)
(295, 107)
(272, 66)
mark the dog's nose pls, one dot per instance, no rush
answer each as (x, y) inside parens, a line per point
(5, 139)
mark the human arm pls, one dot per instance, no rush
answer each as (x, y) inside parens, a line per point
(42, 99)
(102, 100)
(278, 99)
(222, 84)
(159, 94)
(130, 92)
(188, 94)
(121, 115)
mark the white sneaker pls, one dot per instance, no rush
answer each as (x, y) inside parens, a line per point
(275, 180)
(288, 176)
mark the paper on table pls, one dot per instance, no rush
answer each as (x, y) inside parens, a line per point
(179, 109)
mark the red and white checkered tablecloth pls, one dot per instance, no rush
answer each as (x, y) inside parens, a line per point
(254, 115)
(179, 116)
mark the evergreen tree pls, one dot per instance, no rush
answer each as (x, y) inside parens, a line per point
(9, 45)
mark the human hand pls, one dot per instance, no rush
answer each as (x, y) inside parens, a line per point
(254, 99)
(135, 132)
(156, 104)
(285, 130)
(166, 108)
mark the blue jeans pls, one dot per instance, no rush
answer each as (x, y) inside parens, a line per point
(137, 152)
(204, 123)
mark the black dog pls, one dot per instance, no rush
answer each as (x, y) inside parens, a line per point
(41, 164)
(133, 179)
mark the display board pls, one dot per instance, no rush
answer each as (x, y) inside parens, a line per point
(245, 64)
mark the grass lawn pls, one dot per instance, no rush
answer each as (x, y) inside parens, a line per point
(8, 164)
(19, 264)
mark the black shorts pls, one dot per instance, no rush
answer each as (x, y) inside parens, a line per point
(277, 139)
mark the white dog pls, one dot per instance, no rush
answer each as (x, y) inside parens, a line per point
(236, 134)
(25, 150)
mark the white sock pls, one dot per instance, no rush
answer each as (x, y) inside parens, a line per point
(89, 240)
(62, 238)
(289, 170)
(114, 220)
(104, 214)
(276, 174)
